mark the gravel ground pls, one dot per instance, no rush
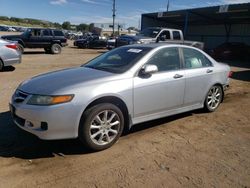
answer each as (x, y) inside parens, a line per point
(193, 149)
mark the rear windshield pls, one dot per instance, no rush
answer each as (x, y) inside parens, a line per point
(118, 60)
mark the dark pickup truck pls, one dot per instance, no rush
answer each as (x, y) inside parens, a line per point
(52, 40)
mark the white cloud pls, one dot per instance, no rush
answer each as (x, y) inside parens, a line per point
(234, 1)
(104, 2)
(58, 2)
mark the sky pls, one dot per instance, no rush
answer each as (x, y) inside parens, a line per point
(128, 12)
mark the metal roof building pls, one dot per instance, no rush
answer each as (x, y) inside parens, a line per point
(212, 25)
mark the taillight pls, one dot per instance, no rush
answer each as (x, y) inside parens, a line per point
(230, 74)
(12, 46)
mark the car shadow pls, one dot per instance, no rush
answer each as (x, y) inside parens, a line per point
(14, 142)
(242, 75)
(33, 52)
(8, 69)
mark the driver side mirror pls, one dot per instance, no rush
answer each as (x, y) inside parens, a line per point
(148, 70)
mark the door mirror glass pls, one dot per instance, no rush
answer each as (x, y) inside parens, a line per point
(149, 69)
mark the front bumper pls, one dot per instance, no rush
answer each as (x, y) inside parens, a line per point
(47, 122)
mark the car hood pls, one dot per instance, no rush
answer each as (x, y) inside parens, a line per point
(56, 82)
(10, 36)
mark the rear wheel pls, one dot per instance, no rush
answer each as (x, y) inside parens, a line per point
(56, 49)
(101, 126)
(213, 98)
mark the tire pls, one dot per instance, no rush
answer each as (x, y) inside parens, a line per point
(20, 48)
(213, 98)
(1, 65)
(97, 132)
(56, 49)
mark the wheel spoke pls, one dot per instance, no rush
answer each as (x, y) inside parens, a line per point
(113, 131)
(108, 138)
(114, 123)
(101, 138)
(111, 118)
(95, 127)
(209, 102)
(98, 119)
(105, 117)
(95, 134)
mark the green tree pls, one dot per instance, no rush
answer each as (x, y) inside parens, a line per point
(66, 25)
(4, 18)
(82, 27)
(57, 25)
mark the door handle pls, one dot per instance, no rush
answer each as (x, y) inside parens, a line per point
(209, 70)
(178, 76)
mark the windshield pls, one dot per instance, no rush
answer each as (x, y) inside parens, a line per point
(118, 60)
(150, 32)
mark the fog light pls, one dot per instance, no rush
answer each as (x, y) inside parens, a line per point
(44, 126)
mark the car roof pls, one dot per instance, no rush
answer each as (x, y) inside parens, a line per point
(160, 44)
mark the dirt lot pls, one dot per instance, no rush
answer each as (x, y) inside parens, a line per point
(193, 149)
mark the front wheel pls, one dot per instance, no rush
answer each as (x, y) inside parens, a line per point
(101, 126)
(213, 98)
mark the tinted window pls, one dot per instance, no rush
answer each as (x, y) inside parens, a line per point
(58, 33)
(45, 32)
(165, 35)
(166, 59)
(36, 32)
(176, 35)
(195, 59)
(118, 60)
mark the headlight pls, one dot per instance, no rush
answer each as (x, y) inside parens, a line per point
(49, 100)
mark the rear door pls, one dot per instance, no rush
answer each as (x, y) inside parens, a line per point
(199, 71)
(162, 91)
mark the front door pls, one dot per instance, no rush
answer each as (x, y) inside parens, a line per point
(162, 91)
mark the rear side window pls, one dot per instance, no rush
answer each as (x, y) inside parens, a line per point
(58, 33)
(166, 59)
(195, 59)
(176, 35)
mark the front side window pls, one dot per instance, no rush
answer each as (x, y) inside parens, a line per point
(165, 35)
(195, 59)
(166, 59)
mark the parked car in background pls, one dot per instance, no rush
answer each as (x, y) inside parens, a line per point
(94, 41)
(9, 54)
(155, 35)
(123, 87)
(231, 51)
(111, 43)
(52, 40)
(3, 28)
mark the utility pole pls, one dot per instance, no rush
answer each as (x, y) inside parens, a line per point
(114, 17)
(168, 6)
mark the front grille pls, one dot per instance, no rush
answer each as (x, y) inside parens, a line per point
(20, 96)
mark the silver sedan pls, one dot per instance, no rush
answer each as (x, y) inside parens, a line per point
(121, 88)
(9, 53)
